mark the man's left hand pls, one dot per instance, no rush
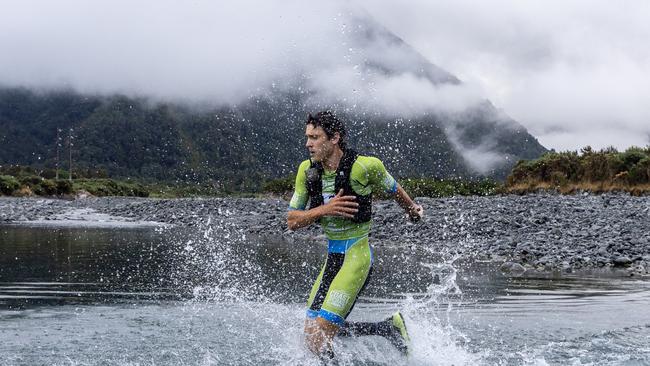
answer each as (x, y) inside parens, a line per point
(415, 213)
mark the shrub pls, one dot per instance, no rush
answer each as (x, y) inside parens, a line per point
(520, 173)
(63, 186)
(48, 173)
(109, 187)
(428, 187)
(640, 172)
(632, 156)
(615, 165)
(595, 167)
(46, 187)
(609, 150)
(607, 165)
(558, 179)
(8, 184)
(136, 190)
(30, 180)
(279, 186)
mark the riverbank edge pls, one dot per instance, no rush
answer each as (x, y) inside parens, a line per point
(576, 188)
(269, 221)
(112, 188)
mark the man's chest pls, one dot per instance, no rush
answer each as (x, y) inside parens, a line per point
(329, 186)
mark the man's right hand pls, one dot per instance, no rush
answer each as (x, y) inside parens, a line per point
(340, 205)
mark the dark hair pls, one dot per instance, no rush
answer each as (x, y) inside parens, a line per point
(330, 124)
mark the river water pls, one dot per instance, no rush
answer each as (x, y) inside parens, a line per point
(214, 296)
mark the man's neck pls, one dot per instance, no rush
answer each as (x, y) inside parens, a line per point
(332, 162)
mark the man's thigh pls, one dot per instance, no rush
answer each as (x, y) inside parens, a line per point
(346, 285)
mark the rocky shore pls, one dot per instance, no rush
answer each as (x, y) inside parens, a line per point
(537, 234)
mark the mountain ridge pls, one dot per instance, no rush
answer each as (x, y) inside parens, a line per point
(421, 120)
(252, 142)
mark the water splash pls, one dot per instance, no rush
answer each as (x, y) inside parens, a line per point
(222, 269)
(243, 304)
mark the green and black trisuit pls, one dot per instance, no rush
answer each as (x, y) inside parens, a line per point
(349, 257)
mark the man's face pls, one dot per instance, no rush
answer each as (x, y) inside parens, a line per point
(320, 147)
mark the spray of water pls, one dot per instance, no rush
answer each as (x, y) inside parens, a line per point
(223, 271)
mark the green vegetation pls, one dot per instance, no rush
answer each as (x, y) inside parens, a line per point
(282, 186)
(239, 147)
(28, 183)
(415, 187)
(134, 146)
(8, 184)
(33, 185)
(110, 187)
(428, 187)
(588, 170)
(565, 172)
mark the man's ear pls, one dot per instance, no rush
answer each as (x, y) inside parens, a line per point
(336, 138)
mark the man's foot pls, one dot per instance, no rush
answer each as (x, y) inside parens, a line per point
(399, 337)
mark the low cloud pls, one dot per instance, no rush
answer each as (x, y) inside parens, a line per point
(217, 52)
(196, 50)
(581, 66)
(404, 95)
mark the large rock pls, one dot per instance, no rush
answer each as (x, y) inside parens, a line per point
(622, 261)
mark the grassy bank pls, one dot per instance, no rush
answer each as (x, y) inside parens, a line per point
(415, 187)
(39, 186)
(601, 171)
(24, 181)
(31, 185)
(25, 186)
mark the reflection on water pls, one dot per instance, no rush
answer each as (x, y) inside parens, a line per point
(215, 296)
(67, 266)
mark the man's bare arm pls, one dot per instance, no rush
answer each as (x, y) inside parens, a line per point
(299, 218)
(413, 210)
(339, 205)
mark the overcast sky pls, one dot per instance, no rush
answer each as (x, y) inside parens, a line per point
(574, 72)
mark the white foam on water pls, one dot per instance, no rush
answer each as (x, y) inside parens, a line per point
(274, 332)
(434, 342)
(227, 279)
(236, 317)
(88, 218)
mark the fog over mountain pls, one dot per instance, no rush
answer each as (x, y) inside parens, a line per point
(574, 72)
(210, 55)
(219, 53)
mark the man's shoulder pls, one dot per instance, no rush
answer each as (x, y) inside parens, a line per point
(367, 162)
(304, 165)
(301, 178)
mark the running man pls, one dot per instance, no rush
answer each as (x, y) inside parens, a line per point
(338, 183)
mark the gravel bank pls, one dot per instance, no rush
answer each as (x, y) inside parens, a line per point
(531, 234)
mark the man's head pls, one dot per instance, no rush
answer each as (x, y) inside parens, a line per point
(325, 133)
